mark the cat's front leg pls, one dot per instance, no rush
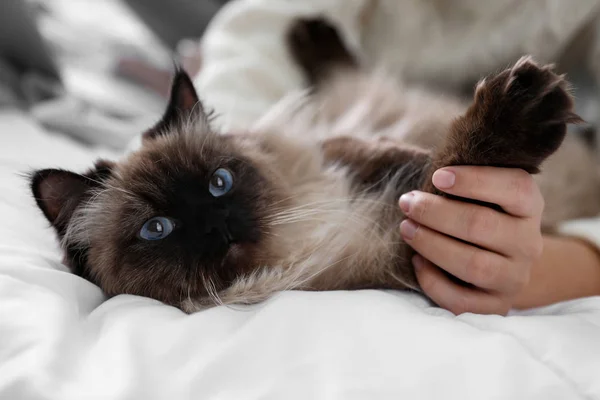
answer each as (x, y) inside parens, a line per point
(374, 161)
(517, 119)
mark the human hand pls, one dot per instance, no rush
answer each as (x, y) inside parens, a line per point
(491, 250)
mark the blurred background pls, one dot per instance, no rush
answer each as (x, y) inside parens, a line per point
(90, 68)
(99, 71)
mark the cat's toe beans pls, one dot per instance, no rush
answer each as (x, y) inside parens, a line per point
(556, 107)
(520, 116)
(529, 95)
(532, 85)
(526, 75)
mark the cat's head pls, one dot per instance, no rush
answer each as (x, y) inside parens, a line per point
(180, 218)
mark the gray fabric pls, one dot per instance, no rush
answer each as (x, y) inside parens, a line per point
(21, 43)
(587, 103)
(28, 72)
(9, 82)
(174, 20)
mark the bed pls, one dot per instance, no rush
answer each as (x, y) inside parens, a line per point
(60, 338)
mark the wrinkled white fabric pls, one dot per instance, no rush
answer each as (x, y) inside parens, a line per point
(60, 339)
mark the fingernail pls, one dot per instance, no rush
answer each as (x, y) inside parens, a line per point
(405, 201)
(408, 229)
(443, 179)
(417, 261)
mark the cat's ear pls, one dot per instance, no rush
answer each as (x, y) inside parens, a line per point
(184, 105)
(58, 193)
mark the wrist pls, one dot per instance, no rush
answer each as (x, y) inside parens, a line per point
(568, 269)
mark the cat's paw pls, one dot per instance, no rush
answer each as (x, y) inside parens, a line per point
(520, 115)
(316, 45)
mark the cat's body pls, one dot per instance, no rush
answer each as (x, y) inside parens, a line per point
(307, 198)
(412, 116)
(357, 102)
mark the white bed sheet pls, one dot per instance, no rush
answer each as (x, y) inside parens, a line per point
(60, 339)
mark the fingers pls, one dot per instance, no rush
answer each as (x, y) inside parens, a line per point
(455, 298)
(512, 189)
(472, 223)
(491, 250)
(480, 267)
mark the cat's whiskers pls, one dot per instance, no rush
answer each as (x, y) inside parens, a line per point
(369, 228)
(229, 158)
(298, 215)
(211, 289)
(319, 271)
(348, 199)
(107, 185)
(192, 114)
(188, 287)
(372, 232)
(289, 217)
(277, 279)
(283, 200)
(285, 215)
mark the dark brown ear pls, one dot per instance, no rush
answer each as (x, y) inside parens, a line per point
(58, 193)
(184, 105)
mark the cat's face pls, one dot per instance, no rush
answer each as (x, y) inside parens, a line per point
(180, 218)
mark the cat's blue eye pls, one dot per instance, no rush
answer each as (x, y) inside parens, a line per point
(156, 228)
(220, 183)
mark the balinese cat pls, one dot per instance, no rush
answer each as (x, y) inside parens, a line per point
(307, 198)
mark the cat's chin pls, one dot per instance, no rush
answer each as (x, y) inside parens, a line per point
(235, 253)
(239, 256)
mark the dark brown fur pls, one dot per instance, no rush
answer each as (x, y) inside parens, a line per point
(167, 177)
(321, 61)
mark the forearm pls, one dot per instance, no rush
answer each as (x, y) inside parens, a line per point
(568, 269)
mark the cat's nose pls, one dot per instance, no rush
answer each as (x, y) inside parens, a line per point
(219, 234)
(216, 221)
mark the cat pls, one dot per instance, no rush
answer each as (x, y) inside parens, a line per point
(305, 199)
